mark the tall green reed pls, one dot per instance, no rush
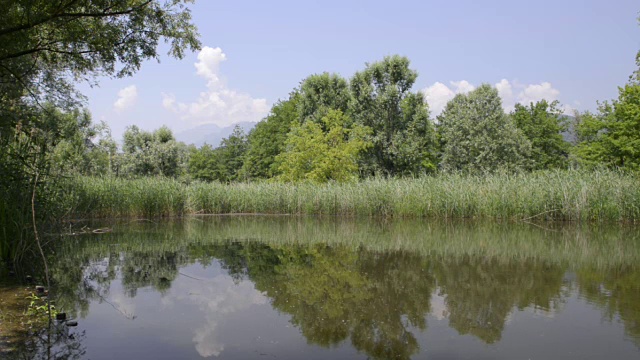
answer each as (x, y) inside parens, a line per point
(548, 195)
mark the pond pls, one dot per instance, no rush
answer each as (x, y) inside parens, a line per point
(252, 287)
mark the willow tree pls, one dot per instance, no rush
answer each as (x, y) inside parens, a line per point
(477, 136)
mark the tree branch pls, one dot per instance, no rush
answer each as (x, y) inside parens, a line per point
(73, 16)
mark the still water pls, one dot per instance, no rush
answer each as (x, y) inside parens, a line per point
(326, 288)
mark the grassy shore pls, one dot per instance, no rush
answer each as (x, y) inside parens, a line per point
(549, 195)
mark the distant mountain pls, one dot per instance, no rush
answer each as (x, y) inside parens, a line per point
(210, 133)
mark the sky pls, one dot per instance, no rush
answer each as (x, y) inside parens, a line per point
(256, 52)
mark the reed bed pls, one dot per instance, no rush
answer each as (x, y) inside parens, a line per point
(548, 195)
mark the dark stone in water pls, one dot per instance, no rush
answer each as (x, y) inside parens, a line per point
(29, 279)
(61, 316)
(72, 323)
(40, 289)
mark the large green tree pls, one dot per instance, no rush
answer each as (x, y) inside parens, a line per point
(611, 136)
(320, 93)
(231, 154)
(543, 123)
(403, 137)
(477, 136)
(267, 139)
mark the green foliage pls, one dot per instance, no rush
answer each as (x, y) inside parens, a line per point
(403, 136)
(477, 135)
(39, 309)
(28, 173)
(152, 153)
(85, 148)
(318, 156)
(221, 164)
(267, 139)
(611, 137)
(45, 45)
(543, 123)
(203, 164)
(321, 93)
(231, 154)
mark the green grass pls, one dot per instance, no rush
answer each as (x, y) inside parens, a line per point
(548, 195)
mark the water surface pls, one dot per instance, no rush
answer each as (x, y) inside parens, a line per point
(319, 288)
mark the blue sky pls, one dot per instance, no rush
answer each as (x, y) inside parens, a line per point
(256, 52)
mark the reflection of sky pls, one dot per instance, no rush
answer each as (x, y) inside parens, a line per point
(217, 298)
(221, 318)
(206, 314)
(438, 306)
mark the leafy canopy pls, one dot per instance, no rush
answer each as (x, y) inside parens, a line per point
(403, 136)
(543, 123)
(267, 139)
(46, 45)
(478, 136)
(315, 155)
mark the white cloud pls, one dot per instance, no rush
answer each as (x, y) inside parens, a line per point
(126, 98)
(505, 90)
(438, 94)
(533, 93)
(217, 298)
(217, 104)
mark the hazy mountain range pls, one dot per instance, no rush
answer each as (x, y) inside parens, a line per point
(210, 133)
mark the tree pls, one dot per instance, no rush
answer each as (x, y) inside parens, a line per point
(220, 164)
(543, 123)
(318, 156)
(477, 135)
(153, 153)
(84, 148)
(403, 137)
(267, 139)
(46, 45)
(320, 93)
(203, 164)
(611, 137)
(231, 154)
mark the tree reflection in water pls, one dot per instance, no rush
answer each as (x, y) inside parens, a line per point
(376, 299)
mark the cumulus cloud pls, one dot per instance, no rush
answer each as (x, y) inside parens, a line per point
(217, 104)
(533, 93)
(126, 98)
(439, 94)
